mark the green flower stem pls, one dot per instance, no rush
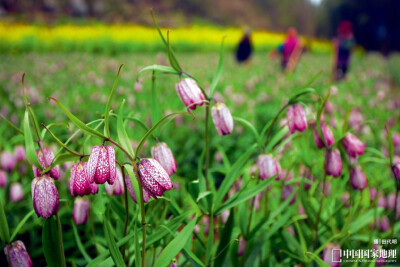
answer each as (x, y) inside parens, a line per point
(319, 212)
(141, 200)
(126, 211)
(273, 122)
(60, 242)
(207, 147)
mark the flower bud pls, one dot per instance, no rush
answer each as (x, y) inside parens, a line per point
(7, 161)
(118, 187)
(190, 93)
(333, 162)
(383, 223)
(242, 245)
(327, 134)
(391, 200)
(358, 180)
(222, 119)
(45, 161)
(296, 117)
(81, 210)
(3, 178)
(16, 255)
(19, 153)
(45, 197)
(382, 202)
(16, 192)
(162, 153)
(153, 176)
(286, 192)
(353, 145)
(78, 182)
(101, 165)
(372, 193)
(345, 199)
(331, 255)
(268, 167)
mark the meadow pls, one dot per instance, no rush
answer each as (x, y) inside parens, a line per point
(233, 217)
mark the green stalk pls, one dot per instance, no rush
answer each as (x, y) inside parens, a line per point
(126, 211)
(60, 242)
(319, 212)
(207, 147)
(273, 122)
(141, 200)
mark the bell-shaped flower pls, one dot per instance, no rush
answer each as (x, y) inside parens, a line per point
(101, 165)
(162, 153)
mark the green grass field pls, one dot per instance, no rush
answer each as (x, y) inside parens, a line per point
(254, 92)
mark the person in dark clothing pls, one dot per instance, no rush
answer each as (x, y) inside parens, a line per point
(343, 45)
(244, 49)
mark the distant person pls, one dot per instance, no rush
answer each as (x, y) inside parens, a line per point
(343, 45)
(244, 49)
(290, 50)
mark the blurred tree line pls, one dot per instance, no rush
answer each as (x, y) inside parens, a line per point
(376, 22)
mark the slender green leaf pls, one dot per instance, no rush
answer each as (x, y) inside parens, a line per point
(176, 245)
(122, 135)
(21, 223)
(60, 159)
(218, 73)
(108, 105)
(250, 127)
(225, 241)
(81, 125)
(79, 243)
(233, 173)
(51, 248)
(61, 143)
(103, 256)
(155, 107)
(244, 195)
(5, 231)
(11, 124)
(159, 68)
(51, 125)
(171, 56)
(390, 145)
(317, 259)
(158, 124)
(29, 146)
(112, 246)
(302, 92)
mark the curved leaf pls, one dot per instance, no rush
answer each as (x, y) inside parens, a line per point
(122, 135)
(112, 246)
(108, 105)
(43, 133)
(50, 244)
(79, 243)
(160, 68)
(11, 124)
(176, 245)
(218, 73)
(5, 231)
(81, 125)
(21, 223)
(29, 145)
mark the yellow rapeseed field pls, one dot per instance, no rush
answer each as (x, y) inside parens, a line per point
(114, 38)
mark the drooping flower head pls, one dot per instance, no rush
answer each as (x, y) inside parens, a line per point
(79, 183)
(101, 165)
(16, 255)
(222, 118)
(163, 154)
(268, 167)
(118, 187)
(45, 158)
(353, 145)
(19, 153)
(333, 162)
(153, 176)
(296, 117)
(16, 192)
(81, 210)
(190, 93)
(7, 161)
(396, 168)
(44, 196)
(326, 133)
(358, 180)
